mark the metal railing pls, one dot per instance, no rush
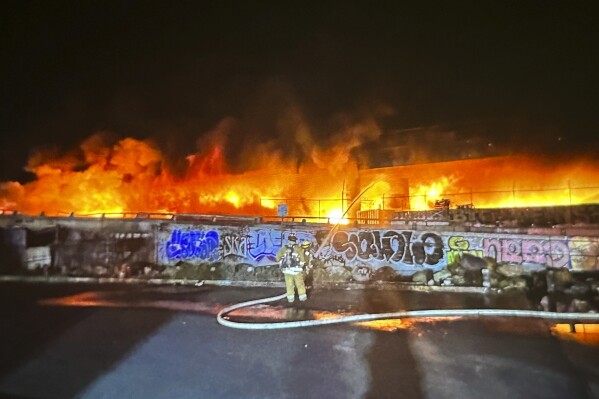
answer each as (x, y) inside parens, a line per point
(509, 197)
(315, 210)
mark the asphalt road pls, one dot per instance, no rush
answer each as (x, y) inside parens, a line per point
(117, 341)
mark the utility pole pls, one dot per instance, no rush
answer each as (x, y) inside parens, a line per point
(343, 197)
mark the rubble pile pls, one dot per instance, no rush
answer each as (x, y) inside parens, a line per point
(552, 289)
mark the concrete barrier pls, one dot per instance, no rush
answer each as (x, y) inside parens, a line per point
(244, 250)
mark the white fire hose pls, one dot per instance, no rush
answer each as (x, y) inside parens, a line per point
(593, 317)
(220, 317)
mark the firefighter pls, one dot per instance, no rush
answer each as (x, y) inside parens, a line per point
(306, 245)
(292, 262)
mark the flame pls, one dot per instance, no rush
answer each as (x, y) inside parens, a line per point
(426, 195)
(582, 333)
(336, 217)
(134, 176)
(503, 182)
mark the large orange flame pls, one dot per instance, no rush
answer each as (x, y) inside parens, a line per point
(133, 176)
(504, 182)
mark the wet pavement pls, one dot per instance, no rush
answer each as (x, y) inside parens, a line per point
(104, 341)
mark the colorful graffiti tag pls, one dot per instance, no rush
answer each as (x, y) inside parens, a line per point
(551, 253)
(395, 247)
(403, 250)
(360, 254)
(458, 246)
(264, 244)
(256, 245)
(234, 245)
(584, 253)
(192, 244)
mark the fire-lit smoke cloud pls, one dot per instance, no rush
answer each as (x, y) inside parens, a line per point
(277, 152)
(108, 175)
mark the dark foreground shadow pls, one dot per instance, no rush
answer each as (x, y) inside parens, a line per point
(393, 368)
(56, 352)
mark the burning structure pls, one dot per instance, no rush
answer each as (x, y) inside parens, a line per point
(316, 183)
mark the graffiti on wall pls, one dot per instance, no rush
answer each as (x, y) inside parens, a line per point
(263, 244)
(545, 252)
(394, 247)
(584, 253)
(234, 245)
(407, 250)
(361, 253)
(458, 246)
(192, 244)
(256, 245)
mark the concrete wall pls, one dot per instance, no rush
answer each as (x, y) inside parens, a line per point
(513, 217)
(159, 248)
(406, 251)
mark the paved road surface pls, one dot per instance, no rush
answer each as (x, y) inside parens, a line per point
(64, 341)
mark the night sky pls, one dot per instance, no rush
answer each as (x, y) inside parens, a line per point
(512, 76)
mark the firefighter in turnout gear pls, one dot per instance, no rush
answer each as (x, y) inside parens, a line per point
(292, 261)
(308, 270)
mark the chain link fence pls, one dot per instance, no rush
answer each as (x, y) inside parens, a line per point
(424, 206)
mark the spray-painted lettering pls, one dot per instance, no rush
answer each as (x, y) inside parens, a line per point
(392, 246)
(263, 244)
(234, 245)
(192, 244)
(458, 246)
(543, 252)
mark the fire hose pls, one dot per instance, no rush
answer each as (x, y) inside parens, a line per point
(439, 313)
